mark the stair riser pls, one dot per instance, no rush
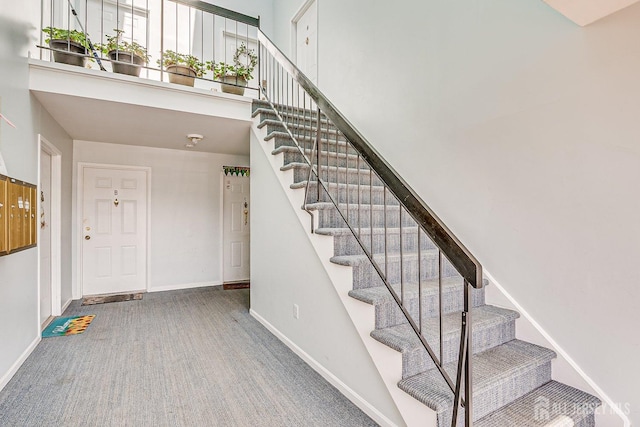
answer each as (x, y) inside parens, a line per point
(349, 193)
(389, 314)
(365, 276)
(341, 176)
(311, 134)
(325, 157)
(297, 120)
(418, 361)
(347, 244)
(362, 217)
(330, 146)
(501, 394)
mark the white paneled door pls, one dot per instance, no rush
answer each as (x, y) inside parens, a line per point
(236, 229)
(307, 41)
(114, 230)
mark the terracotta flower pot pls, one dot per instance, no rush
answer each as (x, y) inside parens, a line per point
(234, 80)
(61, 47)
(126, 63)
(181, 75)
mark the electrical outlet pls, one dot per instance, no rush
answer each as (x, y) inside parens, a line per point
(296, 311)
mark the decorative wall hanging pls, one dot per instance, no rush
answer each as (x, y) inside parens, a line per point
(236, 170)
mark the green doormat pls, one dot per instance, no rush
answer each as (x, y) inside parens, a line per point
(63, 326)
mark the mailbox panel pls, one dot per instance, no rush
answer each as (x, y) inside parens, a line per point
(3, 215)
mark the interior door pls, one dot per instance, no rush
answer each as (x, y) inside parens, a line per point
(236, 229)
(114, 230)
(45, 236)
(307, 42)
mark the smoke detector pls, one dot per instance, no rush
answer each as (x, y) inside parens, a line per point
(193, 138)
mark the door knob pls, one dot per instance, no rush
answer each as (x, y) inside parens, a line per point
(87, 237)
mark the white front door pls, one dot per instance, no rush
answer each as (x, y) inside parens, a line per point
(236, 229)
(114, 230)
(44, 212)
(307, 42)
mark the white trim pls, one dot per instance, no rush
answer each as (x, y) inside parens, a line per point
(55, 223)
(184, 286)
(556, 347)
(18, 363)
(222, 193)
(66, 305)
(221, 226)
(349, 393)
(77, 291)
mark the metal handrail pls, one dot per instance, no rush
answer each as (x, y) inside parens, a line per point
(461, 258)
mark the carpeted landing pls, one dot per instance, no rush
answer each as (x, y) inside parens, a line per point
(181, 358)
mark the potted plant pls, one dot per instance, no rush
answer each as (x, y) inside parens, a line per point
(182, 68)
(68, 46)
(126, 58)
(234, 77)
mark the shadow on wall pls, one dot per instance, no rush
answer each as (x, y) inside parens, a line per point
(15, 36)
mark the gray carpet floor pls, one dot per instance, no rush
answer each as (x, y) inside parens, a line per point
(180, 358)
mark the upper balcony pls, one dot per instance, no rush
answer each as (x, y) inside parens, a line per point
(97, 90)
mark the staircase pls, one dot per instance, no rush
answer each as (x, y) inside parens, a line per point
(512, 382)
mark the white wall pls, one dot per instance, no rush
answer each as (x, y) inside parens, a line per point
(19, 147)
(520, 129)
(285, 270)
(254, 8)
(185, 229)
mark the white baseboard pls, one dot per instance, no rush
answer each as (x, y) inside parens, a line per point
(183, 286)
(66, 305)
(354, 397)
(14, 368)
(562, 353)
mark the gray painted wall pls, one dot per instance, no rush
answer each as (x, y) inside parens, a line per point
(520, 129)
(19, 147)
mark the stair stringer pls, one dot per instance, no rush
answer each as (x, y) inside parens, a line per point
(387, 361)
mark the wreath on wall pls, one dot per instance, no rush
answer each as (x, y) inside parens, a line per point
(236, 170)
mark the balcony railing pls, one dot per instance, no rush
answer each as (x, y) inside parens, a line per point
(209, 34)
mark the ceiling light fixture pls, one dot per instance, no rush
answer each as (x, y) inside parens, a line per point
(193, 138)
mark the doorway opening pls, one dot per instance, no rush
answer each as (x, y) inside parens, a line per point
(49, 231)
(304, 39)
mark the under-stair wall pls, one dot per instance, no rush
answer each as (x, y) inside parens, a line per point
(285, 270)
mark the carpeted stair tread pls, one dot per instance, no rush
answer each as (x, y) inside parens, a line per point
(391, 209)
(493, 368)
(293, 127)
(355, 260)
(308, 141)
(364, 231)
(381, 295)
(364, 171)
(402, 338)
(552, 404)
(323, 153)
(292, 116)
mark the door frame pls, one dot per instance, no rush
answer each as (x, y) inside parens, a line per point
(79, 207)
(222, 177)
(55, 222)
(294, 31)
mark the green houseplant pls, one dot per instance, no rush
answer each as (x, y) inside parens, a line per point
(126, 57)
(182, 68)
(234, 77)
(68, 45)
